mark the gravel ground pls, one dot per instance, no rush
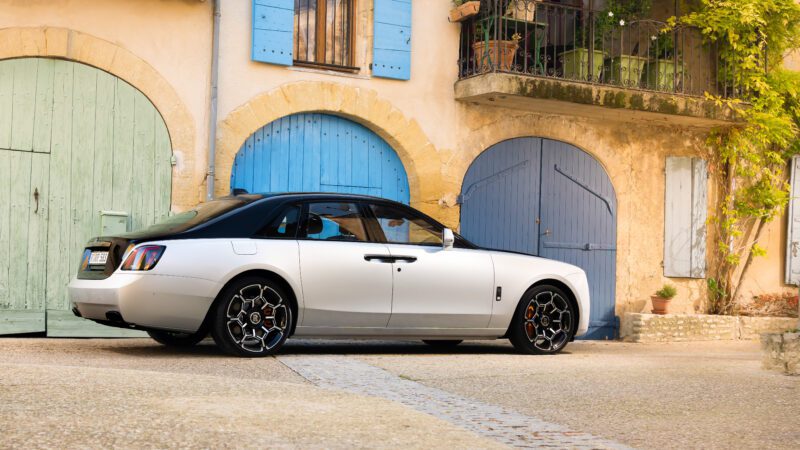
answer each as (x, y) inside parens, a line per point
(687, 395)
(135, 393)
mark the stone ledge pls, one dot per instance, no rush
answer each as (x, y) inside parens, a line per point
(564, 97)
(638, 327)
(781, 352)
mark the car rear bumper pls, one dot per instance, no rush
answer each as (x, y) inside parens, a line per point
(144, 301)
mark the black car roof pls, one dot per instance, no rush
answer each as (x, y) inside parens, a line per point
(310, 195)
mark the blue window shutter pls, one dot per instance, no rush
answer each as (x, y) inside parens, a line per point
(391, 49)
(273, 31)
(686, 209)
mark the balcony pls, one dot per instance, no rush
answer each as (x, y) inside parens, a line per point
(583, 60)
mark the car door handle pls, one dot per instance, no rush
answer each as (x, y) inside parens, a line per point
(379, 258)
(389, 258)
(408, 259)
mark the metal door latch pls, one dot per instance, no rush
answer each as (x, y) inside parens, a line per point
(36, 199)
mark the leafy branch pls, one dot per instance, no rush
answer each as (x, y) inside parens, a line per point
(752, 38)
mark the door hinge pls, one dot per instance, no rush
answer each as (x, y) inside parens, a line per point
(499, 295)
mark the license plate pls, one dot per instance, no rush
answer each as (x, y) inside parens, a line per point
(98, 258)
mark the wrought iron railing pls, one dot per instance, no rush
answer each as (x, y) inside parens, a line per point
(584, 44)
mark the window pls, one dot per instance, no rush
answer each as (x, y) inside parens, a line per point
(402, 227)
(284, 226)
(202, 213)
(323, 31)
(335, 222)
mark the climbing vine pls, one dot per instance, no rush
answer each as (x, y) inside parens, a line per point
(752, 38)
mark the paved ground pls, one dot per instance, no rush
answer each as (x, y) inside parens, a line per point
(134, 393)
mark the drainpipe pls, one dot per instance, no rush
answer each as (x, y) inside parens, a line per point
(212, 116)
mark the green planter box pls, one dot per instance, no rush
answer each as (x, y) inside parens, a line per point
(625, 70)
(661, 74)
(576, 64)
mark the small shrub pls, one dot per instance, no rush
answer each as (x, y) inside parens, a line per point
(667, 291)
(782, 304)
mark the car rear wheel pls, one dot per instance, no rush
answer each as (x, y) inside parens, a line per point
(544, 321)
(442, 344)
(176, 339)
(252, 318)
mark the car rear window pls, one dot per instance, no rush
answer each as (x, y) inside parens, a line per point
(196, 216)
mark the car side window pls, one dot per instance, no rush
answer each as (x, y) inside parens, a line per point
(335, 221)
(284, 225)
(403, 227)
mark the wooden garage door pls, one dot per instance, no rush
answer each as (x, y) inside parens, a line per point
(549, 199)
(319, 153)
(78, 147)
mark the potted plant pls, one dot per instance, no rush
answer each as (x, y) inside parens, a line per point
(524, 10)
(575, 62)
(464, 9)
(662, 298)
(625, 68)
(495, 54)
(661, 71)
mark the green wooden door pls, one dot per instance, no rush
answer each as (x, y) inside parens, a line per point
(75, 143)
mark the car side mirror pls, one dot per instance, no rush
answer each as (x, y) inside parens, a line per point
(448, 239)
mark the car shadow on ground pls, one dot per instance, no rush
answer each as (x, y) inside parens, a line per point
(326, 347)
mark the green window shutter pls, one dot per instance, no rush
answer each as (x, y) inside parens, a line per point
(273, 31)
(686, 208)
(391, 52)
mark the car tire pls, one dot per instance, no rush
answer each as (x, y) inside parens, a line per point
(442, 344)
(252, 317)
(544, 321)
(177, 339)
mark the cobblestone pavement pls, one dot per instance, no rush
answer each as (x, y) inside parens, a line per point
(503, 425)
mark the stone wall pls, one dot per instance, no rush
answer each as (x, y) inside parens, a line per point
(781, 352)
(680, 327)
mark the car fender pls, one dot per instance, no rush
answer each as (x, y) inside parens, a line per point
(516, 273)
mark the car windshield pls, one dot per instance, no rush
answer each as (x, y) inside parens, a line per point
(198, 215)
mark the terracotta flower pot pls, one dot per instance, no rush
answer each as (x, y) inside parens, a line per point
(660, 305)
(496, 55)
(461, 13)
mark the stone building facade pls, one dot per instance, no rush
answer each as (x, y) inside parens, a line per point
(435, 122)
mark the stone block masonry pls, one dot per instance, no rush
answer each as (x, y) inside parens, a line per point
(781, 352)
(683, 327)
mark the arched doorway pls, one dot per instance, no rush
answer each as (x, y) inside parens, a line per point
(82, 153)
(314, 152)
(549, 199)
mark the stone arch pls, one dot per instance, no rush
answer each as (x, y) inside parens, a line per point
(419, 156)
(53, 42)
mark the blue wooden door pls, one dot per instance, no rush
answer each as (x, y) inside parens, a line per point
(319, 153)
(578, 218)
(549, 199)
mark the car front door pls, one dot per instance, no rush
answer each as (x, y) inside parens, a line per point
(343, 285)
(433, 287)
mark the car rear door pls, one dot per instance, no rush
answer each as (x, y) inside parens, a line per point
(345, 281)
(433, 287)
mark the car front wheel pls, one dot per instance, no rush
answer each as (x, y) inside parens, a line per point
(252, 318)
(544, 321)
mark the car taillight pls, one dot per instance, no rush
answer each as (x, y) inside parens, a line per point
(144, 257)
